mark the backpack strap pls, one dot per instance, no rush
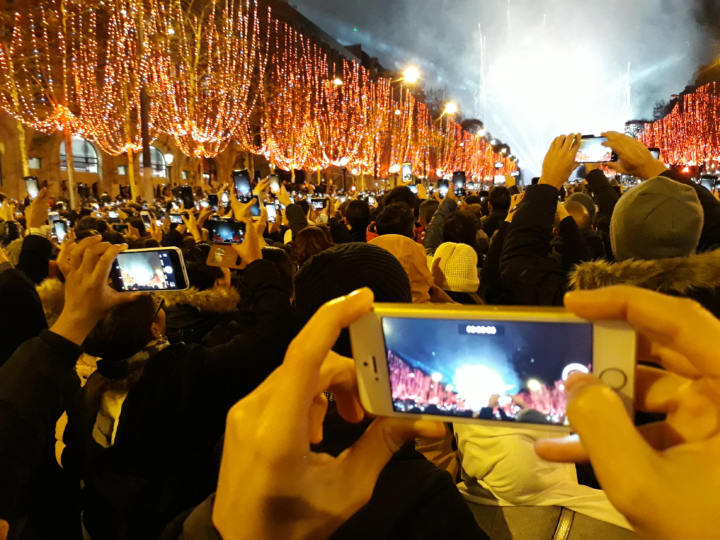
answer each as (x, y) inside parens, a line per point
(562, 532)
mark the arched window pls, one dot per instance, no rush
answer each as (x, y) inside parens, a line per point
(209, 170)
(157, 162)
(85, 159)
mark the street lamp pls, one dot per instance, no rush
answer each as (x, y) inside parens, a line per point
(169, 158)
(411, 75)
(338, 81)
(451, 108)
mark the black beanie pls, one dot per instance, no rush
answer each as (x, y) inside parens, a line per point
(346, 268)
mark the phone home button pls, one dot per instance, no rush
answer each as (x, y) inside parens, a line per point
(614, 378)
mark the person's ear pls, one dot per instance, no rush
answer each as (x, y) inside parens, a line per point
(489, 206)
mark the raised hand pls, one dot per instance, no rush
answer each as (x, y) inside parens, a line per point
(635, 158)
(560, 160)
(36, 214)
(251, 249)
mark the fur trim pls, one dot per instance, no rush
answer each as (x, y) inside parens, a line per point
(52, 296)
(211, 301)
(678, 275)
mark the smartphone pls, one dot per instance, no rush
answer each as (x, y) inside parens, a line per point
(213, 201)
(407, 175)
(159, 222)
(319, 203)
(243, 190)
(145, 216)
(443, 187)
(60, 230)
(487, 365)
(708, 181)
(156, 269)
(53, 217)
(272, 212)
(655, 152)
(225, 197)
(121, 228)
(459, 181)
(176, 217)
(274, 183)
(226, 232)
(113, 214)
(413, 189)
(223, 255)
(204, 204)
(32, 186)
(592, 151)
(98, 215)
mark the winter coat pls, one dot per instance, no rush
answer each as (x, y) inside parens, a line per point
(433, 236)
(172, 419)
(192, 313)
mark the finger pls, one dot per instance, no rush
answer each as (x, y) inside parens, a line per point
(679, 324)
(76, 256)
(671, 360)
(91, 257)
(615, 166)
(103, 266)
(620, 456)
(318, 410)
(656, 390)
(338, 375)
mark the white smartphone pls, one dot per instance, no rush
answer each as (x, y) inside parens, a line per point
(145, 216)
(53, 217)
(489, 365)
(272, 212)
(156, 269)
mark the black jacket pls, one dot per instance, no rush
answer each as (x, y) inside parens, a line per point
(491, 222)
(492, 289)
(172, 420)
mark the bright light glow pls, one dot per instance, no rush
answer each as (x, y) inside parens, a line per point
(481, 133)
(573, 367)
(338, 81)
(449, 388)
(354, 172)
(504, 150)
(493, 142)
(476, 383)
(437, 377)
(344, 162)
(411, 75)
(451, 108)
(534, 385)
(169, 158)
(395, 169)
(171, 31)
(398, 112)
(686, 169)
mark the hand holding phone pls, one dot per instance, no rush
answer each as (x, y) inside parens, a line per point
(157, 269)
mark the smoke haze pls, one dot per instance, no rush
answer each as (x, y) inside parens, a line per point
(533, 69)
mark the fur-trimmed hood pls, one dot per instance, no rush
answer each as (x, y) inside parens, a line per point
(52, 296)
(672, 276)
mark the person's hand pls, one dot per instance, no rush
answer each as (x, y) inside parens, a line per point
(635, 158)
(284, 196)
(261, 189)
(63, 258)
(88, 297)
(422, 192)
(562, 213)
(192, 226)
(7, 210)
(514, 202)
(155, 231)
(329, 207)
(437, 196)
(663, 477)
(589, 167)
(205, 213)
(3, 256)
(224, 282)
(36, 215)
(260, 226)
(122, 215)
(242, 210)
(451, 193)
(509, 180)
(269, 472)
(310, 188)
(250, 250)
(560, 160)
(4, 529)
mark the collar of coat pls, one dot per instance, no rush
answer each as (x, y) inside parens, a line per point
(678, 275)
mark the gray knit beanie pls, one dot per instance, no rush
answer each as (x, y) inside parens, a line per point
(659, 219)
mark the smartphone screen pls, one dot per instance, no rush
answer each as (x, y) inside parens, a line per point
(592, 151)
(655, 152)
(274, 182)
(443, 187)
(708, 182)
(60, 228)
(149, 270)
(413, 189)
(406, 172)
(490, 370)
(213, 201)
(226, 232)
(121, 228)
(243, 190)
(176, 217)
(53, 217)
(186, 196)
(459, 179)
(114, 215)
(272, 213)
(32, 186)
(319, 203)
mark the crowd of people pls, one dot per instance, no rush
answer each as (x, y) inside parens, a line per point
(230, 409)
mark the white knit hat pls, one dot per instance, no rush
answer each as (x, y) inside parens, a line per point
(458, 263)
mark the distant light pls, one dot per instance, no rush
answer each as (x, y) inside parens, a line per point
(354, 29)
(481, 132)
(436, 377)
(411, 75)
(353, 188)
(451, 108)
(395, 169)
(171, 31)
(338, 82)
(493, 142)
(534, 385)
(344, 162)
(504, 150)
(354, 172)
(499, 165)
(398, 112)
(449, 388)
(686, 169)
(573, 367)
(169, 158)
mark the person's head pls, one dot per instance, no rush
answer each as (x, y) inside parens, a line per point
(309, 242)
(304, 205)
(396, 219)
(472, 199)
(358, 215)
(86, 223)
(513, 190)
(127, 329)
(586, 201)
(580, 215)
(200, 275)
(659, 219)
(458, 265)
(401, 194)
(461, 228)
(427, 210)
(281, 259)
(499, 199)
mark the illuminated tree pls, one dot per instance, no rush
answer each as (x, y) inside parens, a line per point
(205, 60)
(37, 78)
(375, 132)
(109, 82)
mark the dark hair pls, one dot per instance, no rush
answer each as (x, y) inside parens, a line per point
(86, 223)
(309, 242)
(139, 224)
(200, 275)
(281, 259)
(11, 232)
(401, 194)
(304, 205)
(500, 198)
(358, 214)
(427, 210)
(113, 237)
(483, 194)
(472, 199)
(396, 219)
(514, 190)
(461, 228)
(124, 332)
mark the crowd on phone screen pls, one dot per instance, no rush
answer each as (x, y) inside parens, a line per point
(202, 413)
